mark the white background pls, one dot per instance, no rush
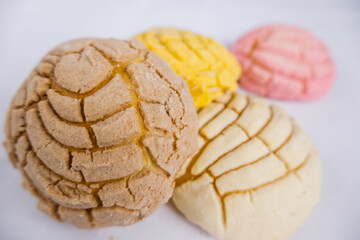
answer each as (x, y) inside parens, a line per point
(30, 28)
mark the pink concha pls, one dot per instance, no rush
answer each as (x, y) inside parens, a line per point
(284, 62)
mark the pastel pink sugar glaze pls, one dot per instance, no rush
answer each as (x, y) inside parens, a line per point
(284, 62)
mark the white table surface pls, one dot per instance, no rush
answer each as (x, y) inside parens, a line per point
(30, 28)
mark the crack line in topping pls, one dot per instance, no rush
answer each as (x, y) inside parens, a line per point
(64, 92)
(89, 123)
(242, 166)
(122, 70)
(249, 138)
(55, 209)
(220, 112)
(170, 86)
(187, 176)
(223, 207)
(271, 182)
(88, 126)
(94, 190)
(72, 149)
(168, 112)
(69, 148)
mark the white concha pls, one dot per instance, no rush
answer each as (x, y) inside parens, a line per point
(256, 175)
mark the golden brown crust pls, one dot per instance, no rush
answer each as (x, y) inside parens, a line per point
(88, 130)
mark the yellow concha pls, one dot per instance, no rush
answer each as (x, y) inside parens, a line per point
(206, 65)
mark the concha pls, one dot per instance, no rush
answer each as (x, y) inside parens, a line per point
(99, 130)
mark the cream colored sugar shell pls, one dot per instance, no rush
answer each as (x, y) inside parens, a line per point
(99, 130)
(256, 176)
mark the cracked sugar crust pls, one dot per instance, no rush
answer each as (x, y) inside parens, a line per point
(99, 129)
(256, 174)
(205, 64)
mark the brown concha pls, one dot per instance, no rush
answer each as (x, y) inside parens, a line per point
(99, 130)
